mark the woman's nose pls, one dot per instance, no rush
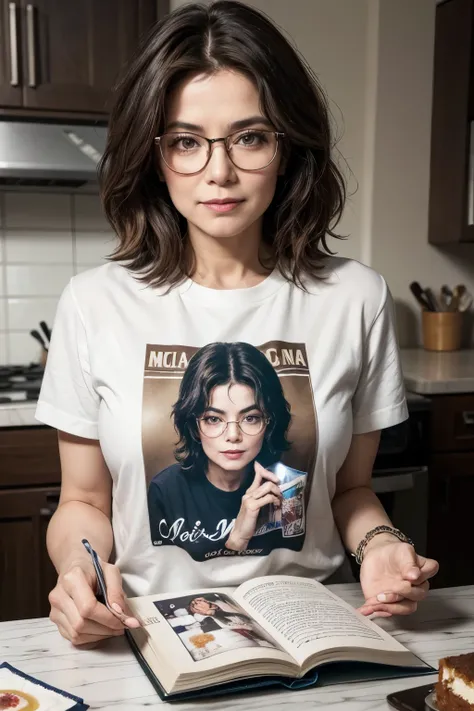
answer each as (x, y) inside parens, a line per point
(233, 432)
(220, 168)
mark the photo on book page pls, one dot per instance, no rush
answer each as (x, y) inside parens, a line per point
(210, 624)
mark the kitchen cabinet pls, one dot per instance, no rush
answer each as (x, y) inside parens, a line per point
(451, 489)
(63, 57)
(451, 205)
(29, 493)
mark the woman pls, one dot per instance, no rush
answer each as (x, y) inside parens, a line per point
(218, 180)
(230, 412)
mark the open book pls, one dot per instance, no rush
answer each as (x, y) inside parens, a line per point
(276, 629)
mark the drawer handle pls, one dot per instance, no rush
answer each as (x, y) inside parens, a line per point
(14, 79)
(468, 417)
(30, 37)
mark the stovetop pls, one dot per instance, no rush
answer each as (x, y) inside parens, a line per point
(20, 383)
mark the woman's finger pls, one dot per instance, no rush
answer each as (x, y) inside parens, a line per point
(66, 612)
(265, 474)
(267, 488)
(256, 504)
(404, 607)
(414, 592)
(78, 589)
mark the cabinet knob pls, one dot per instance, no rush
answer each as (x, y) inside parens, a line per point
(468, 417)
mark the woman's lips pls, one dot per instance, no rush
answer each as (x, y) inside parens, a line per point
(233, 453)
(219, 206)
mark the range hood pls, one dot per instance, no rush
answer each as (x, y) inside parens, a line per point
(47, 154)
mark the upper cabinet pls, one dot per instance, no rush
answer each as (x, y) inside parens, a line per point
(64, 55)
(451, 213)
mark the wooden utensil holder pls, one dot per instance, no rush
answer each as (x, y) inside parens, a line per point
(442, 330)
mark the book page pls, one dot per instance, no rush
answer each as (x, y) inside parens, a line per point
(307, 618)
(203, 630)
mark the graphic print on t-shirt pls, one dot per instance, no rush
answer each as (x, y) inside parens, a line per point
(208, 415)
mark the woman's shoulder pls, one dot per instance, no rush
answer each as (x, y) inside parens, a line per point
(347, 279)
(167, 476)
(96, 281)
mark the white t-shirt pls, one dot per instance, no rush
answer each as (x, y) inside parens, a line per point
(115, 369)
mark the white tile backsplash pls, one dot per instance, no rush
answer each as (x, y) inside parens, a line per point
(88, 213)
(93, 247)
(3, 349)
(26, 313)
(37, 211)
(38, 247)
(44, 239)
(37, 279)
(3, 314)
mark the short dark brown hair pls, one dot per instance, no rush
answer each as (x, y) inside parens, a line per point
(309, 197)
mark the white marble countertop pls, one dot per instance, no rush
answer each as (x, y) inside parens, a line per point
(18, 415)
(433, 373)
(109, 678)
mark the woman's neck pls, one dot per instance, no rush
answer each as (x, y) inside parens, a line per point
(225, 480)
(229, 263)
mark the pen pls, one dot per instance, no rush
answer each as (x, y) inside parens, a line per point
(102, 596)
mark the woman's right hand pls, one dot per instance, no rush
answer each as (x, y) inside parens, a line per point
(79, 616)
(263, 491)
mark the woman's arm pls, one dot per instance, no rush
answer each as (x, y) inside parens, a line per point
(355, 506)
(84, 505)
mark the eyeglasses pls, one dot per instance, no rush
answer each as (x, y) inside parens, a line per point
(189, 153)
(215, 426)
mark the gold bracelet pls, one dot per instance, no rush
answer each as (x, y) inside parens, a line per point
(359, 554)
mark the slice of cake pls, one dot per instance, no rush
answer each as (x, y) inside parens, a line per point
(455, 687)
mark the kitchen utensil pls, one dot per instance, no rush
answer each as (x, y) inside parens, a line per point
(39, 338)
(446, 296)
(465, 302)
(429, 293)
(46, 330)
(458, 293)
(420, 296)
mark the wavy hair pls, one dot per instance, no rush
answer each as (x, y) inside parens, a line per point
(222, 364)
(309, 197)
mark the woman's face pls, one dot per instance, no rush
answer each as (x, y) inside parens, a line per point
(212, 106)
(233, 450)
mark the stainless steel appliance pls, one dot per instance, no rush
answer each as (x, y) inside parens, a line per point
(20, 383)
(49, 154)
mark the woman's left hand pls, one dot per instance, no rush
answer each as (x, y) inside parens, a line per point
(394, 578)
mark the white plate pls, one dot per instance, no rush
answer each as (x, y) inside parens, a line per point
(430, 701)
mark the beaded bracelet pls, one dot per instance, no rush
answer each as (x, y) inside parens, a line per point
(359, 554)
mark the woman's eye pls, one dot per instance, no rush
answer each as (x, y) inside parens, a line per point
(184, 143)
(252, 419)
(212, 420)
(251, 139)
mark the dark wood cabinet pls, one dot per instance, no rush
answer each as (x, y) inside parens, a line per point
(66, 56)
(451, 207)
(451, 489)
(26, 573)
(29, 494)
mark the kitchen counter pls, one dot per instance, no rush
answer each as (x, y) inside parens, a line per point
(109, 677)
(433, 373)
(18, 415)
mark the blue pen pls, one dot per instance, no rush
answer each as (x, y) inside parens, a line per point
(102, 596)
